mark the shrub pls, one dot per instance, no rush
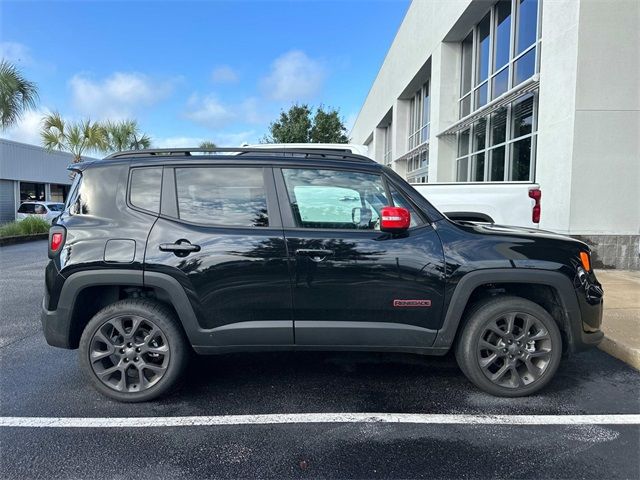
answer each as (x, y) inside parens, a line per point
(28, 226)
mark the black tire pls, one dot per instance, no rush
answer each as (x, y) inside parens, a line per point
(503, 363)
(158, 337)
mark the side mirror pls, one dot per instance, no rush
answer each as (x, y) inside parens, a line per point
(394, 219)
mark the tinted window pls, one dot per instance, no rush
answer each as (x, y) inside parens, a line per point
(56, 207)
(27, 208)
(145, 188)
(222, 196)
(335, 199)
(40, 210)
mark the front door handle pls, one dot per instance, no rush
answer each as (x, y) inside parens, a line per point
(181, 248)
(316, 255)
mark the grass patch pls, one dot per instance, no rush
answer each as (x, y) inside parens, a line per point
(28, 226)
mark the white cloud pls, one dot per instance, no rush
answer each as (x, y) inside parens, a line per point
(209, 111)
(16, 53)
(118, 96)
(27, 129)
(293, 77)
(224, 74)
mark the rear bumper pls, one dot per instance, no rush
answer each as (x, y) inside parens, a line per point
(56, 325)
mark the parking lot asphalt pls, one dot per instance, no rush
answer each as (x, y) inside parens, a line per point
(40, 381)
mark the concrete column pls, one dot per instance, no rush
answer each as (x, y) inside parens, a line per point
(378, 145)
(556, 107)
(445, 88)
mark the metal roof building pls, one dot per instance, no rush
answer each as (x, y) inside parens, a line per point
(29, 172)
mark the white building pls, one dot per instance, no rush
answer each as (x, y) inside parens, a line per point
(544, 91)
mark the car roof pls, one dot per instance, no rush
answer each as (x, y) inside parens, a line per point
(268, 154)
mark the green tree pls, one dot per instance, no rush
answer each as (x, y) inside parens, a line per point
(208, 144)
(73, 137)
(328, 127)
(125, 135)
(301, 125)
(17, 94)
(293, 126)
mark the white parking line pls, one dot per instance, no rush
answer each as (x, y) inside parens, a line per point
(299, 418)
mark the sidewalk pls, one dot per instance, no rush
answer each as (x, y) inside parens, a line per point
(621, 322)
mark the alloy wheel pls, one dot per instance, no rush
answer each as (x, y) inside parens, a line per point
(514, 350)
(129, 353)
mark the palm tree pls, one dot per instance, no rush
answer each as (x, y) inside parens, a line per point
(208, 144)
(125, 135)
(73, 137)
(17, 94)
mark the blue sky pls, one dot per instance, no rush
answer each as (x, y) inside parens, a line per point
(188, 71)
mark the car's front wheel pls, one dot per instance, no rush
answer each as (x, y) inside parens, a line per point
(509, 347)
(133, 350)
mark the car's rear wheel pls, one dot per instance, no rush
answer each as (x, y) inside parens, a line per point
(509, 347)
(133, 350)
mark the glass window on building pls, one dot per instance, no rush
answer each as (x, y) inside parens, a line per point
(501, 146)
(499, 54)
(418, 139)
(59, 192)
(31, 191)
(388, 150)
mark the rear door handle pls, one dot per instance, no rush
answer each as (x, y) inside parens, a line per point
(316, 255)
(181, 248)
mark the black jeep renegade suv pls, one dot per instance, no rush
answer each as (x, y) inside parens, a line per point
(160, 252)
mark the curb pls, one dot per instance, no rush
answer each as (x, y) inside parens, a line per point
(625, 353)
(22, 239)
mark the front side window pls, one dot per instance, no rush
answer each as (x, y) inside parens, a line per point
(55, 207)
(335, 199)
(223, 196)
(400, 201)
(145, 188)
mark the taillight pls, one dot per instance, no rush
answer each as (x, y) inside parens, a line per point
(57, 236)
(536, 194)
(56, 241)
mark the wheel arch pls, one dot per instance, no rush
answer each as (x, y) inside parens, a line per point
(552, 290)
(87, 292)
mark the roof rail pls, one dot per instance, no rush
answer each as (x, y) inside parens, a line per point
(345, 153)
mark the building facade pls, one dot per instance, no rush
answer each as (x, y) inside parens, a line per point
(544, 91)
(29, 172)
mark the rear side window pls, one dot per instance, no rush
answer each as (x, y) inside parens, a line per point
(27, 208)
(225, 196)
(145, 188)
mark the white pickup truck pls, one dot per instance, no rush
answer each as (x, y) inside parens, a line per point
(516, 204)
